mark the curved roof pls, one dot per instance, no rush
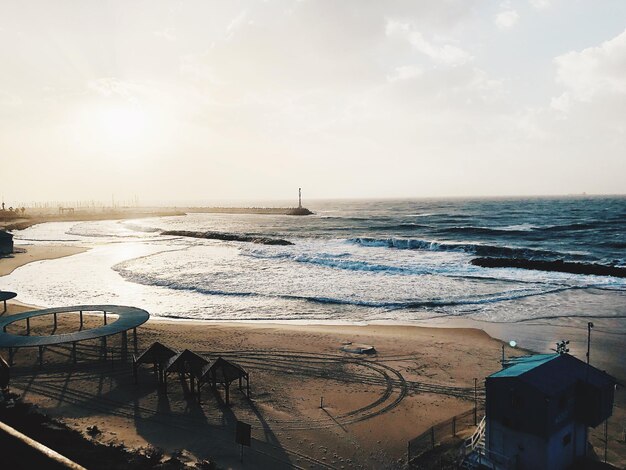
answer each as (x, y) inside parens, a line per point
(128, 318)
(6, 295)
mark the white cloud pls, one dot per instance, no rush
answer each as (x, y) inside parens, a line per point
(595, 71)
(506, 19)
(541, 4)
(236, 24)
(9, 99)
(445, 54)
(405, 72)
(169, 34)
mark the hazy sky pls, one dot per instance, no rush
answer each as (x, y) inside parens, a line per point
(346, 98)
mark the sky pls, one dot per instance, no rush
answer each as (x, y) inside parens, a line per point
(205, 100)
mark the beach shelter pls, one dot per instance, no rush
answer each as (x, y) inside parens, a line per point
(225, 373)
(158, 355)
(190, 365)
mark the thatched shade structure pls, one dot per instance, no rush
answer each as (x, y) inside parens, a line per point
(188, 364)
(158, 355)
(226, 372)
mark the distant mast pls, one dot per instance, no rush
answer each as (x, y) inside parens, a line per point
(299, 198)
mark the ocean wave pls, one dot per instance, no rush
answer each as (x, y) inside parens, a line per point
(470, 230)
(182, 285)
(333, 261)
(140, 228)
(470, 248)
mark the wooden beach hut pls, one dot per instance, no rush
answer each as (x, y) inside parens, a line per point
(158, 355)
(188, 365)
(225, 373)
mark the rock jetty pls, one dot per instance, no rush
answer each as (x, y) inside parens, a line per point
(231, 237)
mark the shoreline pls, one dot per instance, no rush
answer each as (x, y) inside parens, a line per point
(289, 363)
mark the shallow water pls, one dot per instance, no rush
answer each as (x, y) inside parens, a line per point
(359, 261)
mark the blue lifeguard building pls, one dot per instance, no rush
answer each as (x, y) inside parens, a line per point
(539, 409)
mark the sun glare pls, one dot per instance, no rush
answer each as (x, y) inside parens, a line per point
(121, 124)
(118, 131)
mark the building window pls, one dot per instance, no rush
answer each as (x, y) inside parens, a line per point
(567, 439)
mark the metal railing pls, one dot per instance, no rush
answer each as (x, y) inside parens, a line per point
(429, 439)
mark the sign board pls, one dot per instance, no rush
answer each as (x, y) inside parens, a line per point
(243, 433)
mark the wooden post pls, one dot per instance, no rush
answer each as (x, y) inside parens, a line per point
(55, 320)
(105, 316)
(81, 319)
(124, 346)
(28, 326)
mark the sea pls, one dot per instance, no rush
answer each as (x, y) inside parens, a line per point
(355, 262)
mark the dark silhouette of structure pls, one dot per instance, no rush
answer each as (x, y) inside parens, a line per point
(225, 373)
(539, 409)
(188, 365)
(158, 355)
(6, 243)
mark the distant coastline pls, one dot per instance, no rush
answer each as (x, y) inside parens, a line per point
(20, 222)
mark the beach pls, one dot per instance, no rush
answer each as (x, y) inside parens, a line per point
(372, 405)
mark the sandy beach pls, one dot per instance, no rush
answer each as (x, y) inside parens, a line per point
(372, 405)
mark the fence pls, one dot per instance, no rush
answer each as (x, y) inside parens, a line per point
(439, 432)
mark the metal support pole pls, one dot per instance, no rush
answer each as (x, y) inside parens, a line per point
(589, 327)
(55, 321)
(28, 326)
(5, 307)
(81, 319)
(105, 317)
(606, 437)
(475, 400)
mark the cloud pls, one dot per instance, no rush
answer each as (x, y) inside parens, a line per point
(404, 72)
(9, 99)
(541, 4)
(506, 19)
(169, 34)
(594, 72)
(445, 54)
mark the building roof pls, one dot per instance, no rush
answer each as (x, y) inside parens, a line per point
(224, 371)
(517, 366)
(553, 373)
(157, 353)
(188, 362)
